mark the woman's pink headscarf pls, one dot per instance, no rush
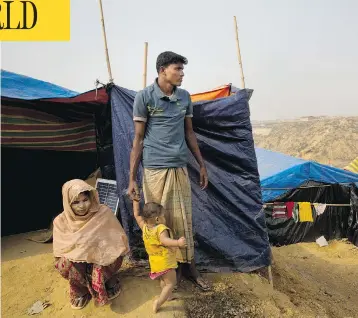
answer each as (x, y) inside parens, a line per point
(96, 237)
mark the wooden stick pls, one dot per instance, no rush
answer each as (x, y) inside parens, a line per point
(105, 43)
(239, 54)
(270, 275)
(145, 64)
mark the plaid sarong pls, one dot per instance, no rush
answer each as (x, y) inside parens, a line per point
(171, 188)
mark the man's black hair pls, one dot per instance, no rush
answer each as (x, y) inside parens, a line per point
(166, 58)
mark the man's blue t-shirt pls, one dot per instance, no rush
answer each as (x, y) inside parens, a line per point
(164, 140)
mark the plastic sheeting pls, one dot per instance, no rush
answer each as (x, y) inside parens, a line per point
(281, 173)
(281, 177)
(23, 87)
(271, 163)
(228, 222)
(353, 217)
(336, 222)
(223, 91)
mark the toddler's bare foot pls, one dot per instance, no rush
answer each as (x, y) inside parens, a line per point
(155, 306)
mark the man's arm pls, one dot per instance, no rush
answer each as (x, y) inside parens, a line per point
(194, 148)
(140, 114)
(136, 155)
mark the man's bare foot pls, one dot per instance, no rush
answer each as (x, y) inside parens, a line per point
(172, 297)
(155, 306)
(201, 283)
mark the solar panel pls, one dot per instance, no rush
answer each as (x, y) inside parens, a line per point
(107, 190)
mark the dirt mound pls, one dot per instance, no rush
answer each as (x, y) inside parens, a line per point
(309, 281)
(326, 140)
(319, 281)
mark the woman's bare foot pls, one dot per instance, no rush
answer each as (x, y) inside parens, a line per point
(155, 306)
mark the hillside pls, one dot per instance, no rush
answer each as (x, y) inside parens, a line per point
(328, 140)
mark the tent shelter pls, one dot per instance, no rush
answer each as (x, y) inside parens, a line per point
(63, 135)
(285, 178)
(48, 137)
(228, 222)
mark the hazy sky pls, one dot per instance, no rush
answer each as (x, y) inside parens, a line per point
(300, 56)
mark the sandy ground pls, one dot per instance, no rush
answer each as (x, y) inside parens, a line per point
(309, 282)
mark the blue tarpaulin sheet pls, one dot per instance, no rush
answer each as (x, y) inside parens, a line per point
(281, 178)
(280, 173)
(271, 163)
(228, 220)
(24, 87)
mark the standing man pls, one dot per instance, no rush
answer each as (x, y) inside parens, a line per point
(163, 133)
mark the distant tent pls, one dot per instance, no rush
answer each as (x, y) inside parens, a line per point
(285, 178)
(18, 86)
(353, 166)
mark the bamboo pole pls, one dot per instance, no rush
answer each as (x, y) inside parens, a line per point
(145, 64)
(239, 54)
(105, 43)
(269, 269)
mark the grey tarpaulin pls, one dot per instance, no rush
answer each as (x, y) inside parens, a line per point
(229, 222)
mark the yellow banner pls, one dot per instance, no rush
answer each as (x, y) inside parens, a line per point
(35, 20)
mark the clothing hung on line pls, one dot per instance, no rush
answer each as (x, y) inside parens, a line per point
(319, 208)
(305, 212)
(279, 210)
(289, 209)
(295, 212)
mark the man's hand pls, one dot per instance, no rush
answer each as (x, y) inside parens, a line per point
(204, 180)
(133, 190)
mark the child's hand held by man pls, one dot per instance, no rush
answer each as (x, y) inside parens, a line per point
(182, 242)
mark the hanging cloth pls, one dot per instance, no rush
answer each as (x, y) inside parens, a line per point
(295, 214)
(289, 209)
(320, 208)
(305, 212)
(279, 210)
